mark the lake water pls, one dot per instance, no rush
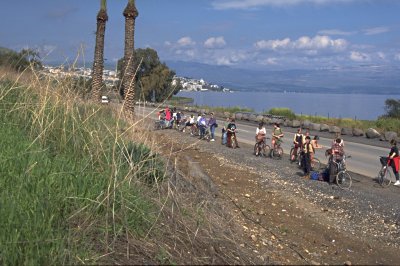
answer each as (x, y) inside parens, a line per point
(359, 106)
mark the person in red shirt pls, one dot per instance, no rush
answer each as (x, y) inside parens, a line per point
(394, 158)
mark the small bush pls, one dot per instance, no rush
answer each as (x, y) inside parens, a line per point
(286, 112)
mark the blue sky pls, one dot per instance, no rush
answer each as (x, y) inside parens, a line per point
(258, 34)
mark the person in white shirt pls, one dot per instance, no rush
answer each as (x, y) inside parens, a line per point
(261, 132)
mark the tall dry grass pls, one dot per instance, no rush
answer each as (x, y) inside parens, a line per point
(71, 178)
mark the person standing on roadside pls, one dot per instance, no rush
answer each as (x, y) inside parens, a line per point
(308, 151)
(224, 131)
(394, 158)
(212, 123)
(298, 144)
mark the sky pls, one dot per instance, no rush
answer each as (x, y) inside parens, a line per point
(254, 34)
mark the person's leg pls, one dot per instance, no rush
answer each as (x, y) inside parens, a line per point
(396, 173)
(332, 171)
(212, 129)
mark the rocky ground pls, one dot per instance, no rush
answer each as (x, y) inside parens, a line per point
(282, 218)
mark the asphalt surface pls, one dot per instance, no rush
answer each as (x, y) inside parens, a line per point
(364, 157)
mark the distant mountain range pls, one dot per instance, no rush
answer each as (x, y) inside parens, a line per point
(364, 79)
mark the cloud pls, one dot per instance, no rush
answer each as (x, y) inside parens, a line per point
(359, 56)
(397, 57)
(251, 4)
(215, 43)
(336, 32)
(375, 31)
(186, 42)
(273, 44)
(312, 45)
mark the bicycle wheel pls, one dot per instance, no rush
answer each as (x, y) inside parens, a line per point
(343, 180)
(233, 142)
(277, 153)
(256, 149)
(315, 164)
(384, 177)
(292, 155)
(266, 150)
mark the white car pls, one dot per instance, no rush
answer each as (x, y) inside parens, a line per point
(105, 99)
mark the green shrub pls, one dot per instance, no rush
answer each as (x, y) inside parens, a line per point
(286, 112)
(61, 185)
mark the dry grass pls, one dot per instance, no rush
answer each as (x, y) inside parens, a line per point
(112, 213)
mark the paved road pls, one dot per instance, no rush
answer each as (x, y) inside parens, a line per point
(364, 161)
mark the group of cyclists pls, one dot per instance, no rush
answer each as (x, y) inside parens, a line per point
(303, 150)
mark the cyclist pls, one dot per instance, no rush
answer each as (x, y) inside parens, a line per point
(189, 123)
(277, 135)
(337, 153)
(212, 123)
(224, 131)
(298, 143)
(231, 130)
(261, 132)
(202, 123)
(394, 158)
(314, 143)
(308, 151)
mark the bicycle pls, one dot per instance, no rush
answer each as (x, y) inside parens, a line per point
(261, 148)
(159, 124)
(277, 151)
(315, 162)
(384, 175)
(296, 156)
(233, 140)
(194, 130)
(343, 178)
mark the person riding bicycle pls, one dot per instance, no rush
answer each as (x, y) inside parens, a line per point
(298, 143)
(224, 131)
(202, 123)
(231, 131)
(277, 135)
(394, 158)
(189, 123)
(337, 154)
(261, 132)
(314, 143)
(308, 151)
(212, 124)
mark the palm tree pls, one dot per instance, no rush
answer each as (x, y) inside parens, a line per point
(128, 81)
(98, 63)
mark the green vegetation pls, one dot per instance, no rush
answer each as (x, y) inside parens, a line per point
(282, 112)
(68, 180)
(384, 123)
(153, 79)
(392, 107)
(175, 100)
(232, 110)
(19, 61)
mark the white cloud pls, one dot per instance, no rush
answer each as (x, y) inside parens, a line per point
(375, 31)
(312, 45)
(215, 43)
(249, 4)
(359, 56)
(336, 32)
(397, 57)
(185, 42)
(273, 44)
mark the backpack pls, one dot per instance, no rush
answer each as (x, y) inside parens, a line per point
(314, 175)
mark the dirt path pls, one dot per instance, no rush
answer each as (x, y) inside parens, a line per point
(288, 220)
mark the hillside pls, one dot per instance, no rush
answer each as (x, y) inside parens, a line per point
(365, 79)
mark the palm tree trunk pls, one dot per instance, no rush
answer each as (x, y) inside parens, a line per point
(128, 81)
(98, 63)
